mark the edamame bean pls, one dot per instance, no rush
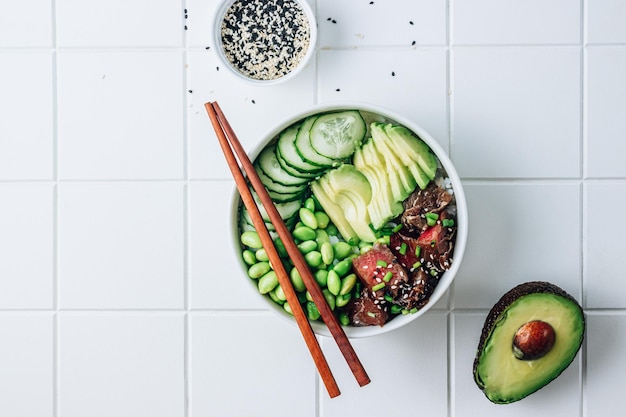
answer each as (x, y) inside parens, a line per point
(347, 284)
(344, 319)
(308, 218)
(309, 297)
(280, 248)
(334, 282)
(251, 239)
(322, 219)
(279, 293)
(321, 236)
(304, 233)
(312, 311)
(296, 280)
(268, 282)
(328, 254)
(342, 300)
(307, 246)
(287, 308)
(258, 269)
(274, 298)
(342, 250)
(330, 299)
(261, 255)
(309, 203)
(249, 257)
(342, 267)
(313, 258)
(331, 229)
(321, 276)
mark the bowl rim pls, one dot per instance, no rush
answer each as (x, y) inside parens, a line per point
(217, 41)
(462, 216)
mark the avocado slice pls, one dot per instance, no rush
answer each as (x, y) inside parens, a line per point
(509, 365)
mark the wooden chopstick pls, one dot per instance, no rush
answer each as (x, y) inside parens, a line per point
(283, 278)
(335, 329)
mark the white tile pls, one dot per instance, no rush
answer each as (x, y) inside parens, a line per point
(389, 22)
(26, 244)
(249, 365)
(27, 116)
(408, 365)
(126, 364)
(252, 111)
(512, 22)
(121, 245)
(412, 83)
(604, 283)
(606, 106)
(217, 277)
(120, 115)
(516, 111)
(26, 23)
(518, 233)
(560, 398)
(137, 23)
(606, 365)
(26, 360)
(605, 21)
(200, 16)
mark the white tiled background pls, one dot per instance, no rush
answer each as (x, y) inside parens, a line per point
(118, 293)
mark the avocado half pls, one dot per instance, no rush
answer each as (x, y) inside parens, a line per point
(498, 371)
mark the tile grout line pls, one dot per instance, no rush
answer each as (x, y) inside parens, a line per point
(186, 232)
(55, 213)
(582, 373)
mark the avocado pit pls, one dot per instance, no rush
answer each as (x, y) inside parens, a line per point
(533, 340)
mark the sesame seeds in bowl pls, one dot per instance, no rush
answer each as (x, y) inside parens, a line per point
(265, 41)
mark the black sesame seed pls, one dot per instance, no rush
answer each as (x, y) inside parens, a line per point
(190, 91)
(413, 43)
(217, 68)
(338, 89)
(334, 21)
(253, 102)
(329, 19)
(371, 2)
(185, 11)
(207, 48)
(185, 27)
(411, 22)
(393, 73)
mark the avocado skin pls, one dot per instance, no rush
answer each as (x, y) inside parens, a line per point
(521, 290)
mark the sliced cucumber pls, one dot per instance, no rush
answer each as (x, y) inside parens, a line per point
(291, 170)
(337, 135)
(287, 151)
(285, 209)
(272, 185)
(268, 162)
(304, 148)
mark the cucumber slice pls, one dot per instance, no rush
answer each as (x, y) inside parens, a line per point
(304, 148)
(291, 170)
(337, 135)
(272, 185)
(287, 150)
(270, 166)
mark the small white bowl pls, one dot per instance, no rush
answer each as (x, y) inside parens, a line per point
(227, 63)
(461, 218)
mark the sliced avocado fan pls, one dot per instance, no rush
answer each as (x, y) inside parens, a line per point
(530, 336)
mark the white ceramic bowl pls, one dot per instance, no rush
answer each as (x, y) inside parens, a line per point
(461, 219)
(226, 63)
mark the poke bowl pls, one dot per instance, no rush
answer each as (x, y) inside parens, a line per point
(374, 204)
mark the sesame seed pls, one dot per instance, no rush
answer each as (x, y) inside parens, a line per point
(393, 74)
(185, 27)
(207, 48)
(413, 43)
(339, 89)
(411, 22)
(190, 91)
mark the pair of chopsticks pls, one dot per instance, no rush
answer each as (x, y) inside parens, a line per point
(229, 142)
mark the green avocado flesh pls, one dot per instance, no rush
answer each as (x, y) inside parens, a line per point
(498, 373)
